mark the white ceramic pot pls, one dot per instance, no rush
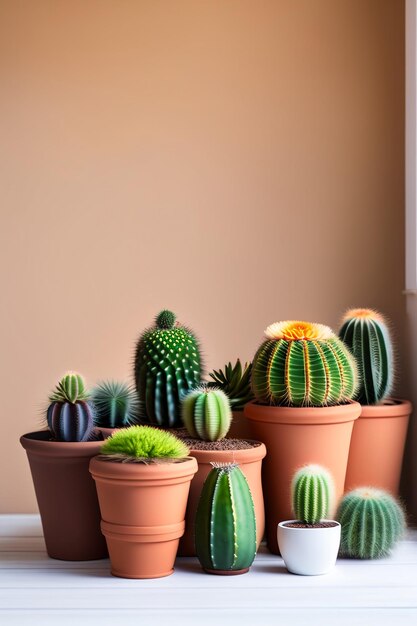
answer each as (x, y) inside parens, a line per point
(309, 551)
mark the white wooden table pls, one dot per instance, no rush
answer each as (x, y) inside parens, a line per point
(36, 590)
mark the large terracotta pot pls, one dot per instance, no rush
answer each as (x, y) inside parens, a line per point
(143, 510)
(250, 462)
(377, 446)
(66, 495)
(240, 427)
(295, 437)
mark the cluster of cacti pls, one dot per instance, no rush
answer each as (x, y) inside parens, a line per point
(365, 332)
(235, 381)
(303, 364)
(225, 526)
(115, 403)
(206, 413)
(144, 442)
(312, 492)
(167, 366)
(70, 416)
(372, 522)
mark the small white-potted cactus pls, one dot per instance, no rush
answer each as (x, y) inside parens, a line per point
(310, 543)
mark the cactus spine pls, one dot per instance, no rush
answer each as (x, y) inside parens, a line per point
(115, 404)
(372, 522)
(167, 365)
(365, 332)
(303, 364)
(312, 493)
(70, 415)
(235, 381)
(206, 414)
(225, 528)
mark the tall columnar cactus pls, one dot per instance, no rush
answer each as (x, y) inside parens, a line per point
(235, 382)
(70, 415)
(206, 413)
(225, 527)
(312, 493)
(167, 365)
(366, 333)
(303, 364)
(115, 403)
(372, 522)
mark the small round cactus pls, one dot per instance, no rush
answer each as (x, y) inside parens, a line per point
(70, 416)
(206, 414)
(115, 404)
(144, 443)
(372, 522)
(70, 388)
(312, 493)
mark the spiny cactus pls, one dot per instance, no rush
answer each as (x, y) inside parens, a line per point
(206, 413)
(312, 493)
(225, 528)
(235, 382)
(144, 442)
(115, 403)
(372, 522)
(167, 365)
(70, 415)
(303, 364)
(366, 334)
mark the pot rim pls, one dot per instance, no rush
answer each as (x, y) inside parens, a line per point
(36, 442)
(289, 528)
(142, 472)
(245, 455)
(391, 407)
(303, 416)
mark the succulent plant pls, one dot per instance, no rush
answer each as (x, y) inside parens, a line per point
(115, 403)
(206, 413)
(225, 527)
(312, 491)
(144, 442)
(303, 364)
(235, 382)
(366, 334)
(167, 365)
(70, 416)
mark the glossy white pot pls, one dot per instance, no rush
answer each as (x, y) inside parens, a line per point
(309, 551)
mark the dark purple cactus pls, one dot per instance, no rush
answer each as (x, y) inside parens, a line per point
(70, 421)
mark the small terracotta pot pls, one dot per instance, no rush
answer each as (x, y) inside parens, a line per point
(377, 446)
(66, 496)
(107, 432)
(143, 510)
(295, 437)
(250, 462)
(240, 427)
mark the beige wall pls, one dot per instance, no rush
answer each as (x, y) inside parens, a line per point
(239, 162)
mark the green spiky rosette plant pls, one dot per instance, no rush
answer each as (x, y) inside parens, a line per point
(70, 415)
(144, 444)
(235, 381)
(116, 404)
(167, 366)
(206, 413)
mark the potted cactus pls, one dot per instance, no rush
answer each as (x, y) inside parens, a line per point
(143, 478)
(235, 381)
(309, 544)
(225, 528)
(59, 459)
(207, 415)
(303, 379)
(115, 406)
(378, 438)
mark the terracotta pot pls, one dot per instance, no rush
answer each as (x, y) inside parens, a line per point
(107, 432)
(250, 462)
(143, 510)
(377, 446)
(240, 428)
(295, 437)
(66, 495)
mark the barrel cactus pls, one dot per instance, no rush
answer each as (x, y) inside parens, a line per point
(70, 415)
(366, 334)
(372, 522)
(115, 404)
(312, 493)
(303, 364)
(167, 365)
(225, 527)
(206, 413)
(235, 381)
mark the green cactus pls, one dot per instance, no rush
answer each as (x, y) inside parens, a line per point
(70, 415)
(312, 491)
(167, 366)
(206, 413)
(225, 527)
(366, 334)
(143, 443)
(372, 522)
(116, 404)
(70, 388)
(303, 364)
(235, 381)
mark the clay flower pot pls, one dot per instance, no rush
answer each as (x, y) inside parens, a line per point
(240, 427)
(295, 437)
(377, 446)
(250, 462)
(309, 551)
(66, 496)
(143, 509)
